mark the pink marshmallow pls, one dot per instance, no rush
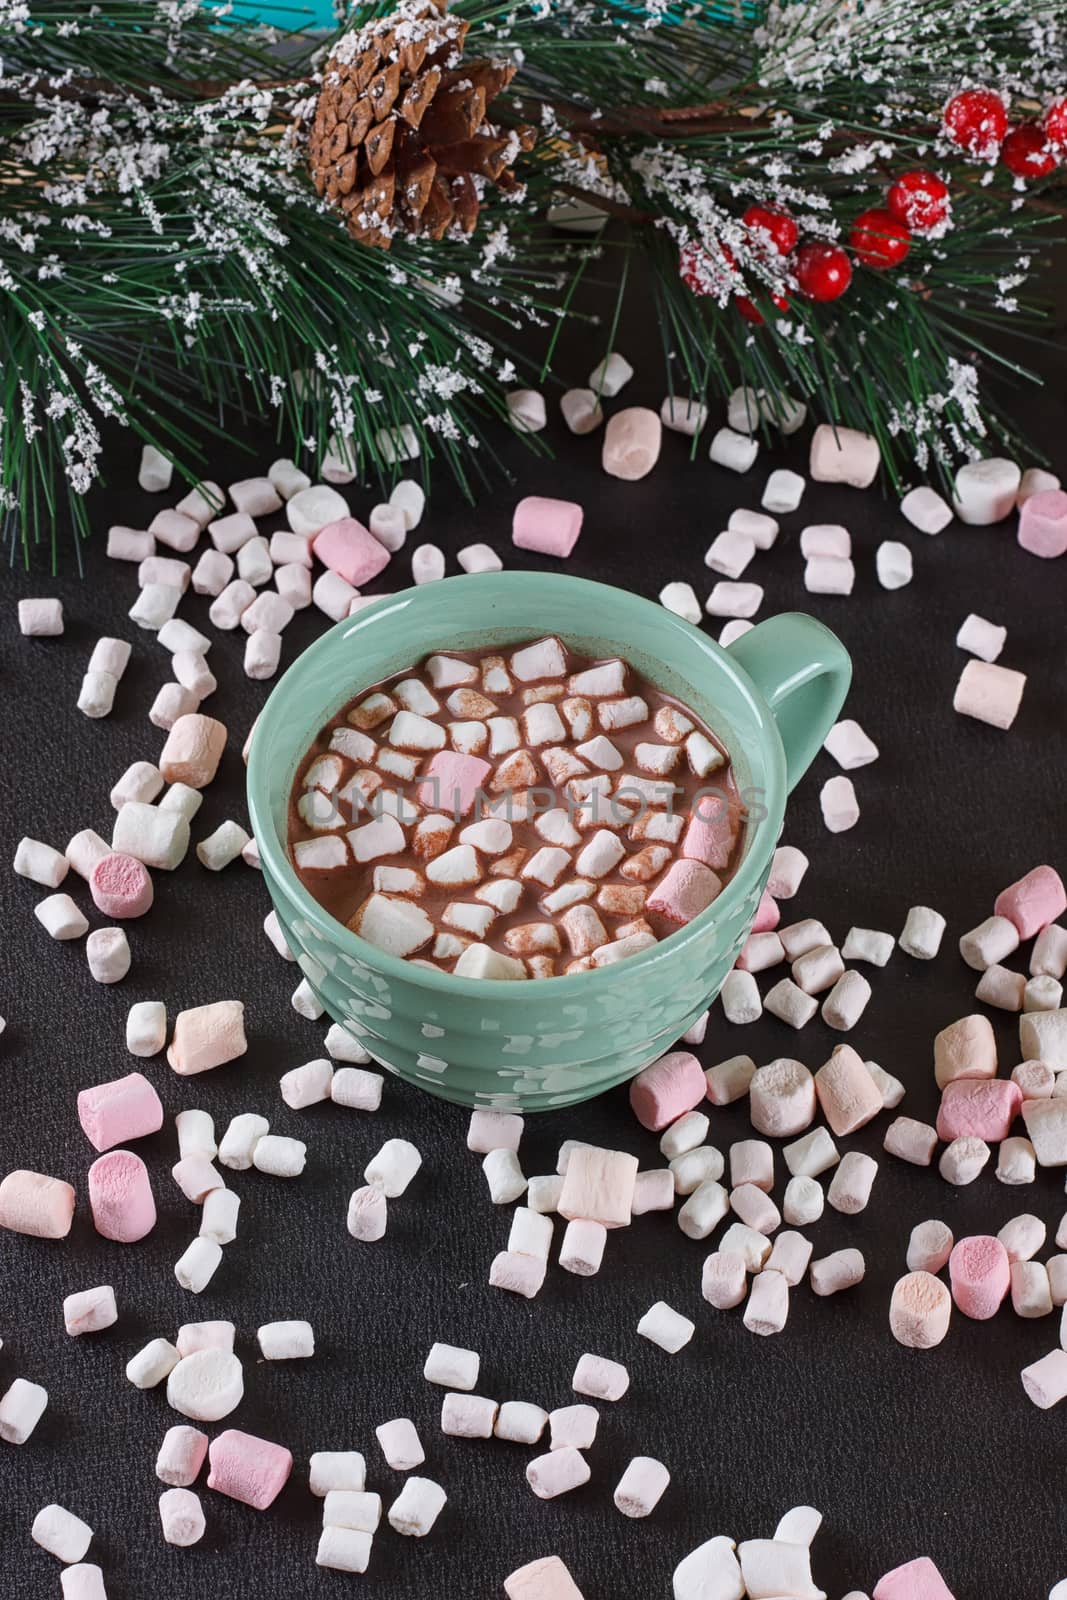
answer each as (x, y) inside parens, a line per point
(544, 1579)
(667, 1089)
(121, 886)
(551, 527)
(120, 1197)
(768, 915)
(686, 889)
(248, 1469)
(980, 1277)
(451, 783)
(915, 1580)
(350, 550)
(126, 1108)
(32, 1203)
(1033, 902)
(847, 1093)
(710, 838)
(980, 1108)
(207, 1037)
(1043, 524)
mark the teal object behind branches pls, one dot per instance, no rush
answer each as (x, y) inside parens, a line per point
(535, 1044)
(297, 14)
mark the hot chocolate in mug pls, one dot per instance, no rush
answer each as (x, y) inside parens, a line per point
(530, 1045)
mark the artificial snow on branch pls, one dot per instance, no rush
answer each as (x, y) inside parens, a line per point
(841, 202)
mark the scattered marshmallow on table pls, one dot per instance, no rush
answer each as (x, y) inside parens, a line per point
(632, 442)
(520, 1422)
(182, 1517)
(989, 693)
(247, 1468)
(926, 510)
(1043, 524)
(547, 1578)
(526, 410)
(368, 1214)
(841, 1270)
(849, 745)
(60, 917)
(666, 1327)
(1045, 1381)
(61, 1533)
(844, 455)
(198, 1264)
(279, 1156)
(22, 1406)
(737, 451)
(417, 1507)
(783, 491)
(840, 808)
(40, 863)
(980, 1276)
(985, 491)
(911, 1141)
(345, 1549)
(42, 619)
(333, 1470)
(734, 599)
(829, 575)
(286, 1341)
(678, 413)
(920, 1310)
(582, 411)
(108, 953)
(547, 526)
(767, 1307)
(922, 933)
(563, 1468)
(981, 638)
(893, 563)
(400, 1445)
(90, 1310)
(600, 1378)
(641, 1487)
(788, 1002)
(32, 1203)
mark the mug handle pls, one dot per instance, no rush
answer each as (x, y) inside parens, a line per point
(803, 671)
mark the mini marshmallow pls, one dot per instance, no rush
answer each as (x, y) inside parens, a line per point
(922, 933)
(1043, 523)
(818, 969)
(35, 1204)
(667, 1328)
(844, 455)
(840, 808)
(248, 1469)
(556, 1473)
(427, 564)
(181, 1455)
(1031, 1295)
(782, 1096)
(632, 441)
(222, 846)
(582, 411)
(846, 1002)
(172, 701)
(195, 1336)
(468, 1416)
(207, 1384)
(237, 1145)
(919, 1311)
(811, 1155)
(788, 868)
(825, 539)
(1042, 994)
(740, 997)
(989, 943)
(829, 575)
(734, 600)
(90, 1311)
(43, 619)
(737, 451)
(678, 413)
(911, 1141)
(417, 1507)
(841, 1270)
(790, 1257)
(1001, 988)
(279, 1157)
(963, 1160)
(600, 1378)
(1016, 1162)
(985, 491)
(40, 863)
(155, 604)
(641, 1487)
(206, 1036)
(197, 1265)
(926, 510)
(21, 1408)
(729, 1080)
(550, 527)
(85, 850)
(893, 564)
(61, 1533)
(60, 917)
(526, 410)
(981, 638)
(989, 693)
(1043, 1037)
(212, 573)
(1023, 1236)
(681, 598)
(783, 491)
(705, 1208)
(767, 1306)
(129, 544)
(503, 1175)
(286, 1341)
(803, 1202)
(96, 696)
(152, 1364)
(980, 1276)
(1045, 1381)
(218, 1219)
(410, 498)
(610, 375)
(126, 1108)
(333, 595)
(929, 1246)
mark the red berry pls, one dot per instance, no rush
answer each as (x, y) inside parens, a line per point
(824, 271)
(977, 121)
(701, 272)
(919, 200)
(752, 313)
(779, 225)
(878, 239)
(1056, 123)
(1027, 153)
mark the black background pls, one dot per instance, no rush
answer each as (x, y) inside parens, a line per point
(905, 1453)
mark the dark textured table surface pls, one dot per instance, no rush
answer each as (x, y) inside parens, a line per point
(904, 1453)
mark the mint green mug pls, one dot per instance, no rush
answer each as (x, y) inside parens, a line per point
(535, 1044)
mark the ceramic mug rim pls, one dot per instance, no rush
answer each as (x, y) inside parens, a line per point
(276, 860)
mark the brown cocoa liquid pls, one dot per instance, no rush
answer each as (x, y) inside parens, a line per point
(343, 890)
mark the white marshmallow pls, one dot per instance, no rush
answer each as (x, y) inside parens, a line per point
(107, 951)
(279, 1157)
(666, 1327)
(893, 564)
(61, 1533)
(734, 600)
(21, 1409)
(737, 451)
(783, 491)
(393, 1168)
(641, 1487)
(410, 497)
(196, 1267)
(986, 491)
(922, 933)
(828, 575)
(611, 375)
(286, 1341)
(526, 408)
(840, 808)
(417, 1507)
(682, 415)
(207, 1384)
(60, 917)
(926, 510)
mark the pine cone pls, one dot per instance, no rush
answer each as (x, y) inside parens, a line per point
(399, 139)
